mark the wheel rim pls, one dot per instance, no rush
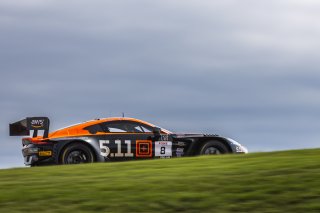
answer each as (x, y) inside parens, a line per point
(77, 157)
(212, 151)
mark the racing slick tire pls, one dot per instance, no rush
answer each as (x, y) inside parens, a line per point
(76, 154)
(213, 148)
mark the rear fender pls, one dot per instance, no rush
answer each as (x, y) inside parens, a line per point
(60, 145)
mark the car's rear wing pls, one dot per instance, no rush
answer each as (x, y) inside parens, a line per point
(23, 127)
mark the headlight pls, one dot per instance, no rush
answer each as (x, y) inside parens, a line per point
(238, 146)
(241, 149)
(234, 142)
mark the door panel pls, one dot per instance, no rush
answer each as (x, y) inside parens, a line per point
(127, 146)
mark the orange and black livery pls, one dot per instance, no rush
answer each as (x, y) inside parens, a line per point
(111, 139)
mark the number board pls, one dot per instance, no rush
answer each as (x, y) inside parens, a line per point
(163, 149)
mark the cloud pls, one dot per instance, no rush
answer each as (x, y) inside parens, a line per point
(247, 70)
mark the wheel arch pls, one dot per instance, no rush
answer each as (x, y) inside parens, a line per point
(202, 141)
(61, 146)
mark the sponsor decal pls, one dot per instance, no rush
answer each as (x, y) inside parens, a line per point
(181, 143)
(164, 137)
(144, 148)
(163, 149)
(45, 153)
(38, 123)
(180, 152)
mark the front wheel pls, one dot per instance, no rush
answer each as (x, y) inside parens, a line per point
(213, 148)
(76, 154)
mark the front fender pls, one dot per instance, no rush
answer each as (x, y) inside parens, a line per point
(236, 146)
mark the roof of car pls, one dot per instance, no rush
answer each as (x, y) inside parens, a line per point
(102, 120)
(78, 129)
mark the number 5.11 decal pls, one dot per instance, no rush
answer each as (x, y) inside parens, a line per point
(105, 150)
(143, 148)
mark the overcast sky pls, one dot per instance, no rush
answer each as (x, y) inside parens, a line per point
(248, 70)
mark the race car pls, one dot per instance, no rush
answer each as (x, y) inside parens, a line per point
(112, 139)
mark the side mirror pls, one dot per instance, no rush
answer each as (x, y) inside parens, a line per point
(156, 130)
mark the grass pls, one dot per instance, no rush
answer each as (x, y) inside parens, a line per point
(287, 181)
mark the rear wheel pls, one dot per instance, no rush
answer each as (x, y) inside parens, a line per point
(76, 154)
(213, 148)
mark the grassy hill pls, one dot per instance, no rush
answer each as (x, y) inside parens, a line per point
(260, 182)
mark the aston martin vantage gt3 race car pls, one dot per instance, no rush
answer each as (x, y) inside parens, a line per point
(112, 139)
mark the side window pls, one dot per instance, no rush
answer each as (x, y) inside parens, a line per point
(94, 129)
(114, 126)
(146, 128)
(116, 129)
(125, 126)
(138, 128)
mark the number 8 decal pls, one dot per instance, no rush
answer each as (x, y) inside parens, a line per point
(163, 148)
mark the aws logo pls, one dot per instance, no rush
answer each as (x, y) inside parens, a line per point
(39, 123)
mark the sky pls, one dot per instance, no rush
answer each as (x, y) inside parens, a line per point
(248, 70)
